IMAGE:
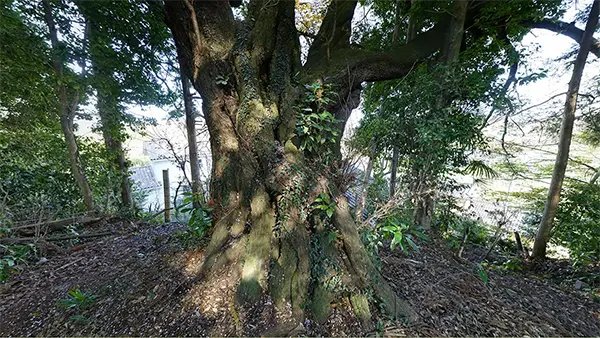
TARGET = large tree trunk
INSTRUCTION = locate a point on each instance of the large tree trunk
(68, 106)
(190, 124)
(270, 249)
(566, 133)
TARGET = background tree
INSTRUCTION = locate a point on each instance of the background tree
(70, 88)
(130, 59)
(562, 157)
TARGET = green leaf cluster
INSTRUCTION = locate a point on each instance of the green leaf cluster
(316, 127)
(401, 234)
(200, 219)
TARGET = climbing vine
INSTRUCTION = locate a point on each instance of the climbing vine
(316, 127)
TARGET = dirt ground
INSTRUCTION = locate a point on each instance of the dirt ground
(141, 284)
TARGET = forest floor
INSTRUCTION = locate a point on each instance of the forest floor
(137, 278)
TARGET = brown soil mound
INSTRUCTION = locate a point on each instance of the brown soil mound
(140, 283)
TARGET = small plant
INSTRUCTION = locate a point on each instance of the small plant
(4, 231)
(595, 296)
(323, 202)
(14, 256)
(513, 264)
(200, 220)
(371, 239)
(316, 126)
(77, 300)
(480, 269)
(76, 303)
(401, 234)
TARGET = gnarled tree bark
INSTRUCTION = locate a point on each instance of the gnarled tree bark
(268, 245)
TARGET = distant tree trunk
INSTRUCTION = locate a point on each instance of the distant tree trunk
(562, 157)
(464, 240)
(363, 193)
(108, 94)
(69, 102)
(112, 131)
(393, 178)
(595, 177)
(190, 124)
(66, 123)
(424, 208)
(395, 150)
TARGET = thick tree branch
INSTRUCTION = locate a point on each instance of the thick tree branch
(334, 32)
(363, 65)
(203, 31)
(566, 29)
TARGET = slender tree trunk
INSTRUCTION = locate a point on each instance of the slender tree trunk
(190, 124)
(360, 208)
(68, 106)
(66, 123)
(425, 201)
(113, 134)
(393, 178)
(464, 240)
(111, 115)
(395, 150)
(566, 133)
(595, 177)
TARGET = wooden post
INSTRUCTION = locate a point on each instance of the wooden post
(520, 247)
(464, 240)
(167, 191)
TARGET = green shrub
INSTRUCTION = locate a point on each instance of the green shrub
(12, 257)
(452, 225)
(400, 234)
(76, 300)
(31, 176)
(577, 222)
(200, 220)
(577, 225)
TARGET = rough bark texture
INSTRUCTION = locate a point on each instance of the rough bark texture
(269, 243)
(68, 106)
(282, 257)
(566, 133)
